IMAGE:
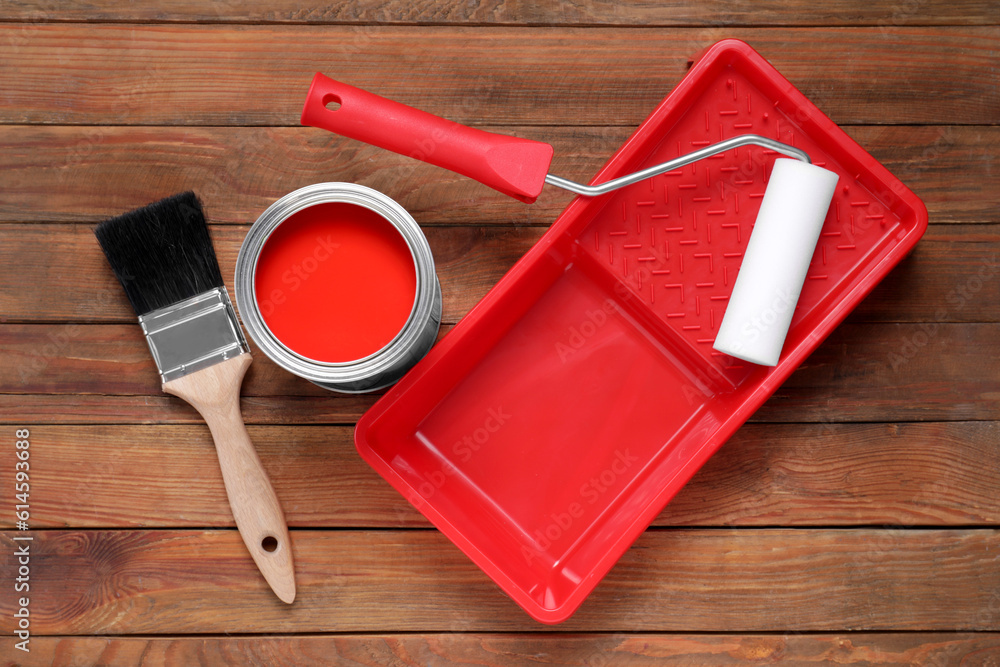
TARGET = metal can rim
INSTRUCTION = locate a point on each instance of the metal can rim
(398, 350)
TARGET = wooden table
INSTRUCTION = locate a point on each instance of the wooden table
(854, 520)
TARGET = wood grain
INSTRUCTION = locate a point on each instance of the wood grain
(513, 650)
(51, 259)
(900, 372)
(933, 474)
(676, 580)
(511, 12)
(864, 372)
(953, 275)
(18, 409)
(182, 74)
(239, 172)
(854, 521)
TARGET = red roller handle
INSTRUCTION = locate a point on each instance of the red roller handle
(515, 167)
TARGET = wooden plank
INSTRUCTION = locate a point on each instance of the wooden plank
(508, 12)
(935, 474)
(514, 650)
(52, 259)
(893, 373)
(114, 359)
(52, 171)
(683, 580)
(18, 409)
(864, 372)
(953, 275)
(182, 74)
(61, 275)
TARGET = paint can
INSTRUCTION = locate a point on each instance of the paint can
(335, 282)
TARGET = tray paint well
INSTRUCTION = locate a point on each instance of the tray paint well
(557, 419)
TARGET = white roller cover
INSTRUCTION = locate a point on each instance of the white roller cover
(775, 262)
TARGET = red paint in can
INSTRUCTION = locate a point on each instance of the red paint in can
(335, 282)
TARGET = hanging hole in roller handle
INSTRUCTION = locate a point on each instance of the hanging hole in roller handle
(331, 102)
(269, 544)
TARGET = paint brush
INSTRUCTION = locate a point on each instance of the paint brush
(163, 257)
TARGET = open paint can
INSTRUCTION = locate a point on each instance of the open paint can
(335, 283)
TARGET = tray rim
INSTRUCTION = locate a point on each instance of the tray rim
(615, 165)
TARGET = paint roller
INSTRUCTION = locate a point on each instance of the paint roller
(775, 261)
(777, 256)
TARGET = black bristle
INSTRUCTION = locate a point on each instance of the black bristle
(161, 253)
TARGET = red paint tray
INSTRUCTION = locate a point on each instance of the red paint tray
(559, 417)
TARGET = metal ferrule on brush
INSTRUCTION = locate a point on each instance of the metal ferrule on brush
(193, 334)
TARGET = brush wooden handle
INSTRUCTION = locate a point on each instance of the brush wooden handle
(215, 393)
